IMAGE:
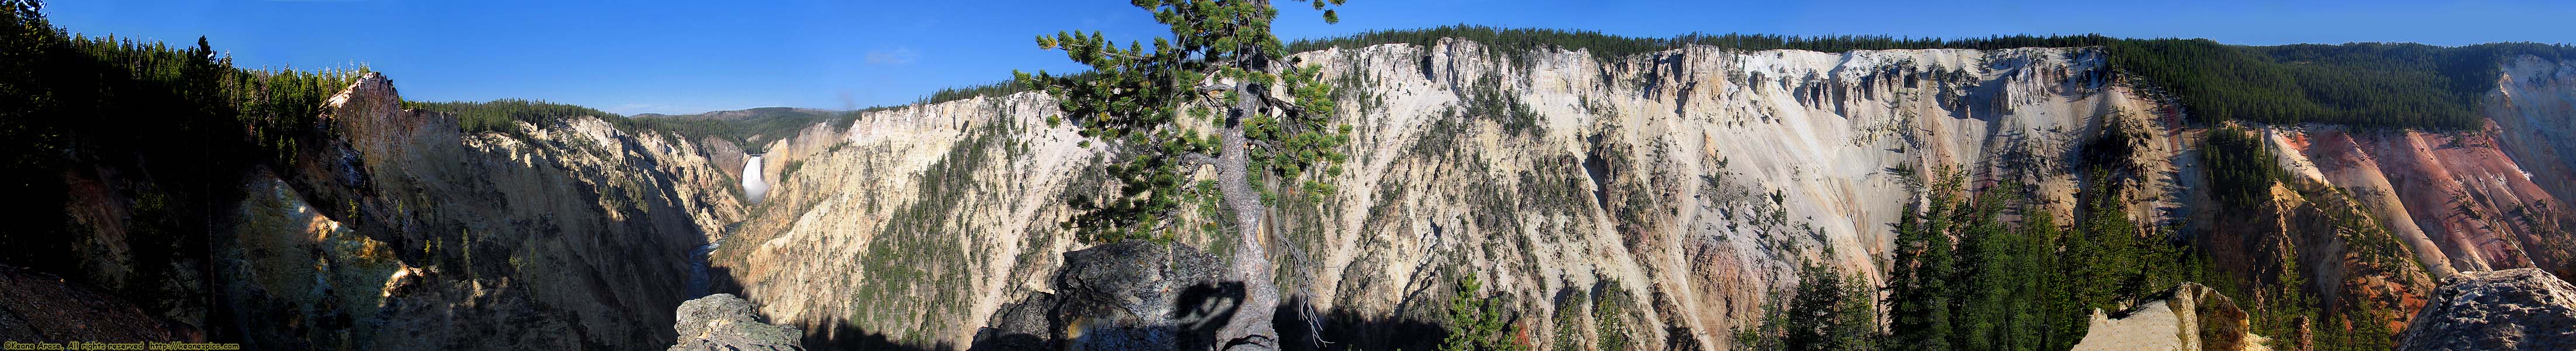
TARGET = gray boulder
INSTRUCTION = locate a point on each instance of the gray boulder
(2516, 309)
(723, 322)
(1134, 295)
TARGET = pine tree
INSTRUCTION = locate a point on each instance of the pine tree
(1222, 65)
(1857, 324)
(1815, 315)
(1476, 323)
(1920, 300)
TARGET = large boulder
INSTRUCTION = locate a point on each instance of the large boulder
(722, 322)
(1134, 295)
(2187, 317)
(2515, 309)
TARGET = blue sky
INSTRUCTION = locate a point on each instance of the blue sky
(693, 56)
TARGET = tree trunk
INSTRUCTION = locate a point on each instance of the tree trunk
(1251, 264)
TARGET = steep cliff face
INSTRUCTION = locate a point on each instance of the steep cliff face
(1654, 200)
(1689, 183)
(1686, 184)
(2530, 110)
(910, 224)
(2379, 215)
(404, 233)
(2530, 107)
(2462, 203)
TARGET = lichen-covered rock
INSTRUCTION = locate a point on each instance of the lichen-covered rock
(725, 322)
(2516, 309)
(1134, 295)
(1023, 325)
(1141, 296)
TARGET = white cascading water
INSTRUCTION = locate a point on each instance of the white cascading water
(751, 184)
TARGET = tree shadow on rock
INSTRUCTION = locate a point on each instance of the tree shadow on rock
(1202, 310)
(1345, 329)
(838, 334)
(1143, 296)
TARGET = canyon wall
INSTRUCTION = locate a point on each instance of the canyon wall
(1681, 187)
(404, 233)
(1662, 195)
(1652, 200)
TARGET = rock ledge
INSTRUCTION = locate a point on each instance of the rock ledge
(2515, 309)
(725, 322)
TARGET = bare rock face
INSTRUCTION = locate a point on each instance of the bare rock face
(2189, 317)
(2517, 309)
(725, 322)
(2529, 108)
(402, 232)
(1673, 179)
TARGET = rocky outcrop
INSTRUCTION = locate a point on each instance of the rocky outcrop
(2517, 309)
(2188, 317)
(722, 322)
(1126, 296)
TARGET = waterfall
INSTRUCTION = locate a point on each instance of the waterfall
(751, 185)
(753, 188)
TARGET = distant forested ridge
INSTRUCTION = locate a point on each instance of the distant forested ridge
(503, 115)
(749, 128)
(2370, 85)
(2375, 85)
(751, 133)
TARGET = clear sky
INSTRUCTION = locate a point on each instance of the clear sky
(656, 56)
